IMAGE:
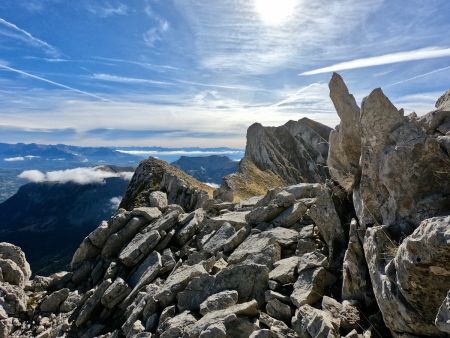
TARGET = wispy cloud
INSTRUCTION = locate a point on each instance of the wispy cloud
(128, 80)
(154, 34)
(243, 44)
(145, 65)
(13, 31)
(412, 55)
(21, 72)
(222, 86)
(107, 9)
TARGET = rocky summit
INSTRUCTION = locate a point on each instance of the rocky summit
(278, 156)
(364, 253)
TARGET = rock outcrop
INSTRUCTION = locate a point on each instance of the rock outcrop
(156, 175)
(396, 168)
(296, 262)
(278, 156)
(401, 175)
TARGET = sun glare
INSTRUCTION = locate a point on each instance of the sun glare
(274, 12)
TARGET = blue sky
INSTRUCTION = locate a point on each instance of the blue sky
(199, 72)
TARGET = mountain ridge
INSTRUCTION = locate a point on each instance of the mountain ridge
(292, 153)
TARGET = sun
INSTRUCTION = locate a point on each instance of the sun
(274, 12)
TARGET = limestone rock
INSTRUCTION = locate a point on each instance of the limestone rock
(259, 249)
(12, 298)
(177, 326)
(220, 239)
(279, 156)
(53, 301)
(217, 330)
(283, 199)
(400, 316)
(324, 215)
(263, 334)
(263, 214)
(177, 281)
(139, 247)
(355, 275)
(284, 271)
(190, 228)
(166, 314)
(14, 253)
(219, 301)
(158, 199)
(312, 260)
(248, 279)
(291, 215)
(156, 175)
(318, 323)
(226, 316)
(310, 286)
(71, 302)
(236, 219)
(346, 314)
(146, 272)
(92, 303)
(11, 272)
(149, 213)
(345, 140)
(196, 292)
(115, 293)
(443, 317)
(118, 240)
(385, 188)
(279, 310)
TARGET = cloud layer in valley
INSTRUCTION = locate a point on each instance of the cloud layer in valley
(77, 175)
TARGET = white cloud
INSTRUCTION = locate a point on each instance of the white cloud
(108, 9)
(76, 175)
(33, 175)
(20, 158)
(13, 159)
(21, 34)
(412, 55)
(115, 202)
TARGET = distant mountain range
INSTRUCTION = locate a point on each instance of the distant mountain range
(51, 157)
(208, 169)
(48, 219)
(15, 158)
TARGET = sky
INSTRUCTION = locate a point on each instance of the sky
(198, 72)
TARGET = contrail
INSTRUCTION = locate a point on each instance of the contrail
(412, 55)
(28, 35)
(418, 76)
(53, 83)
